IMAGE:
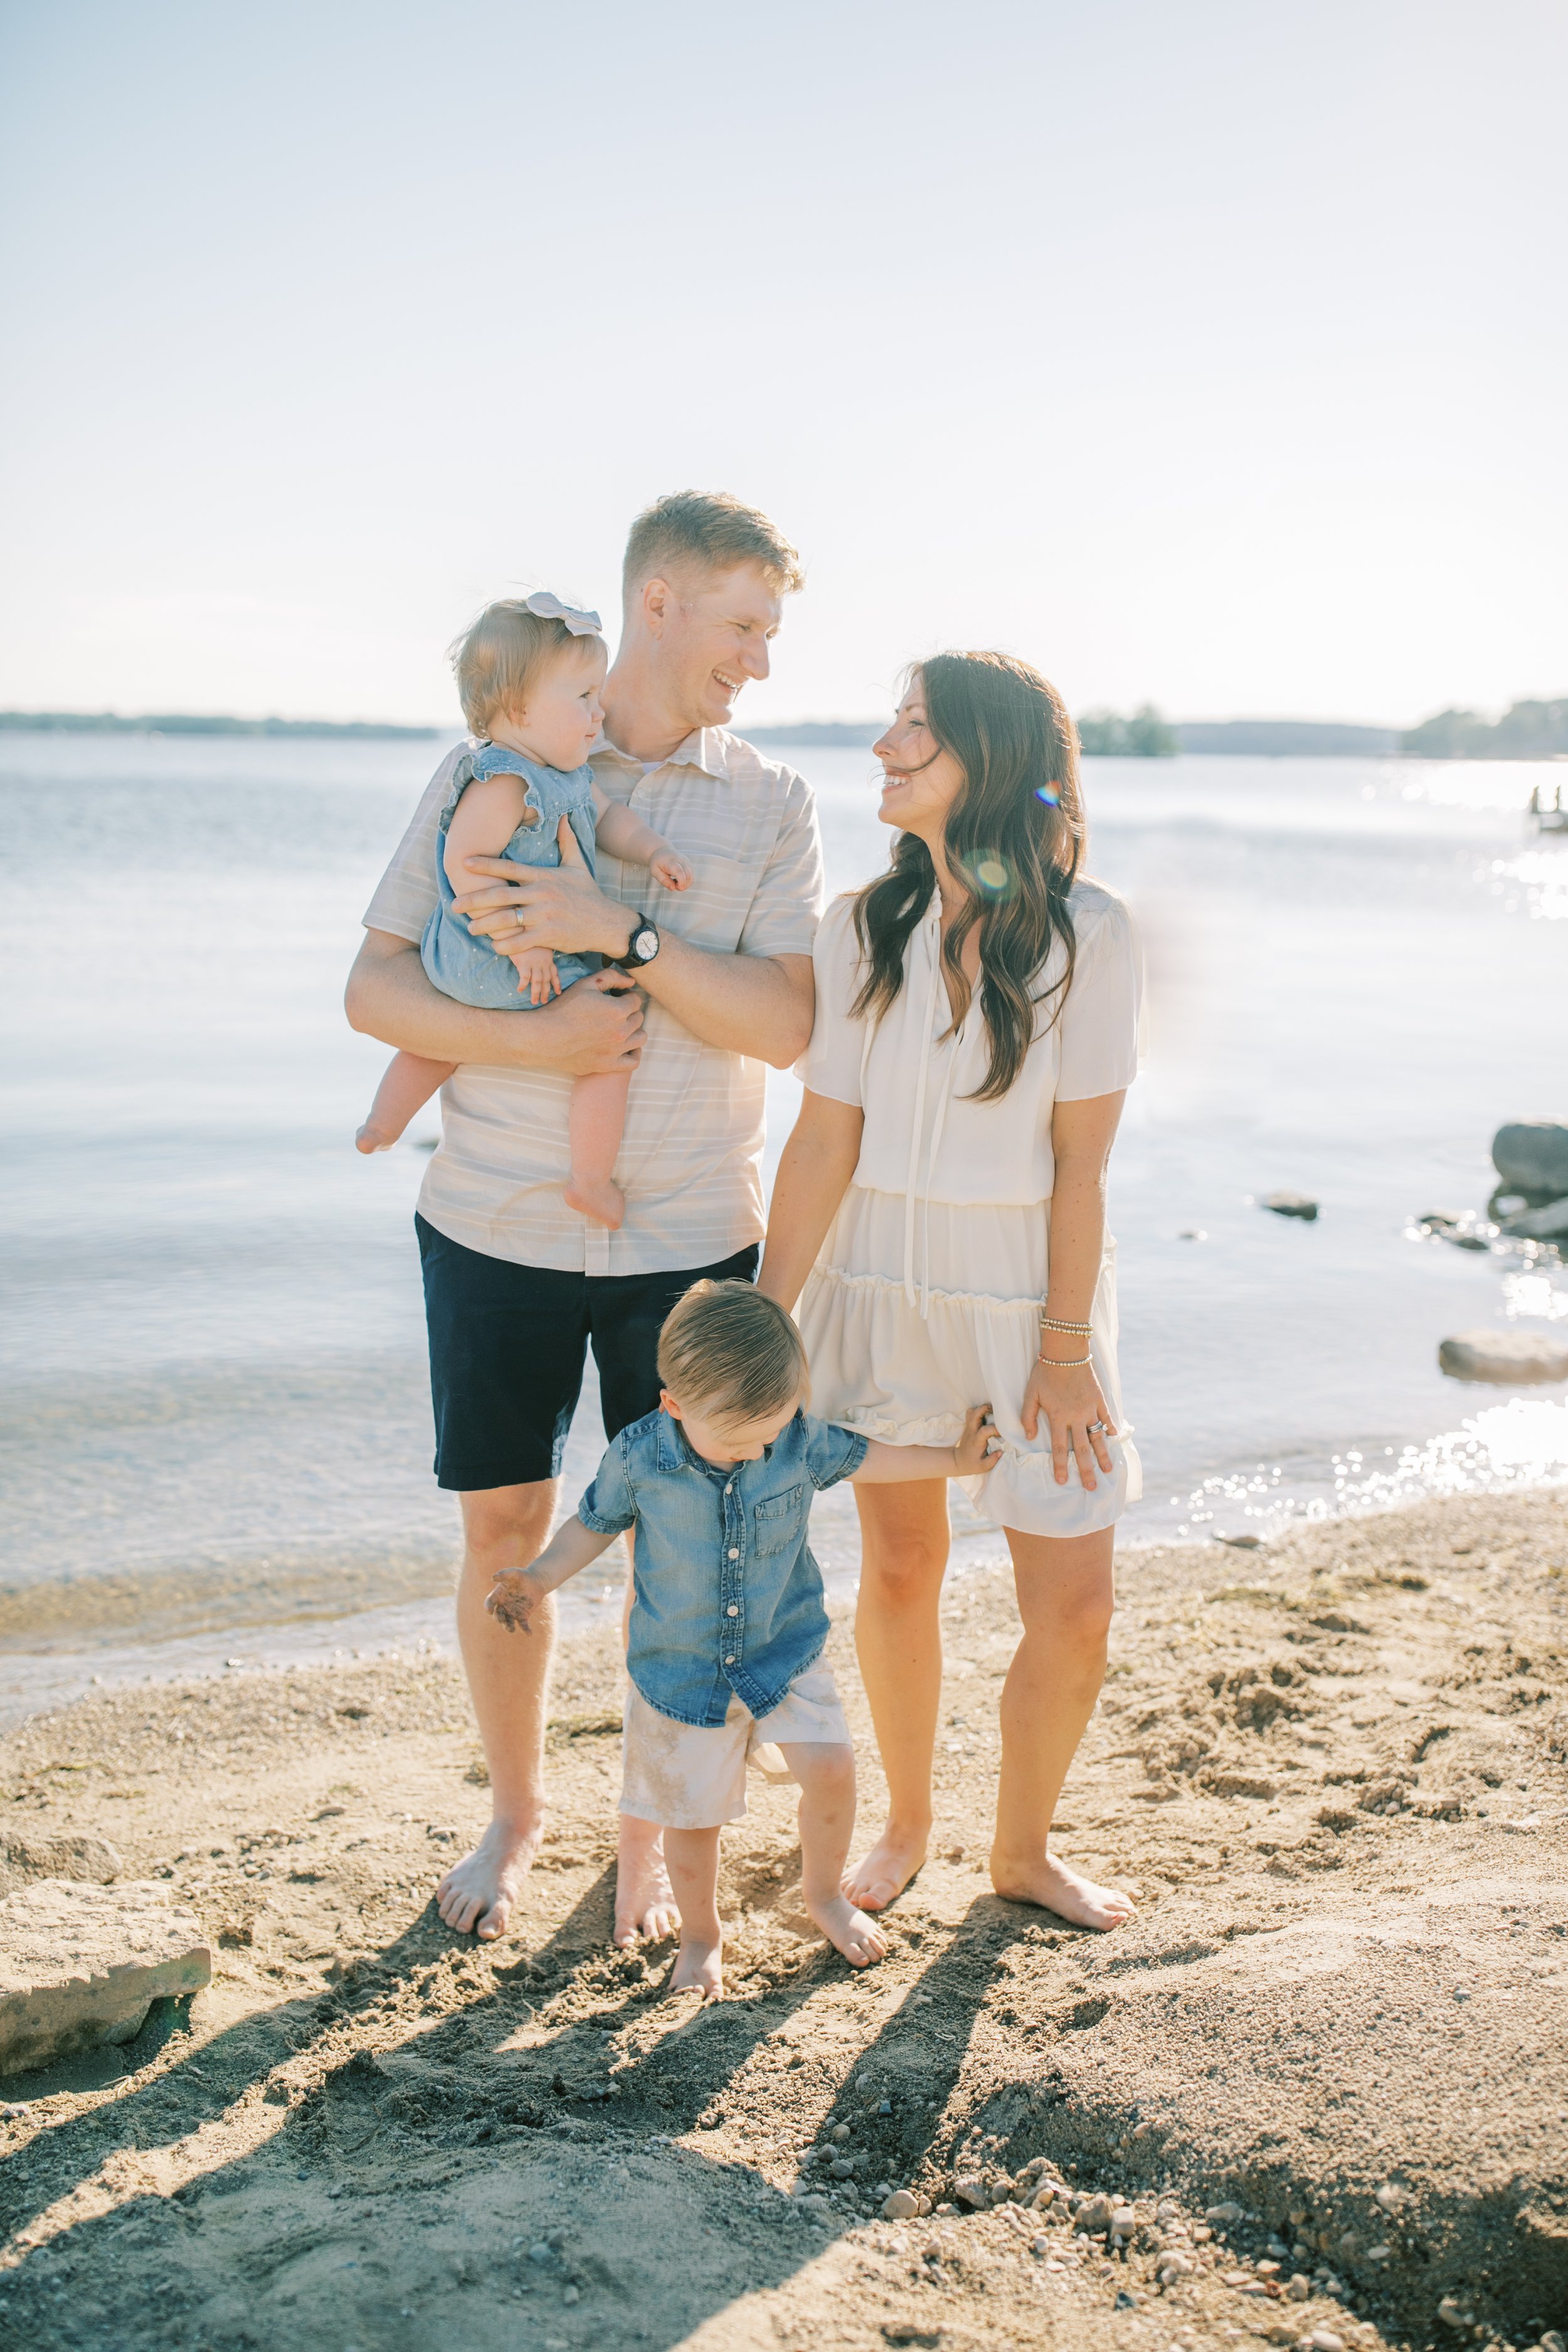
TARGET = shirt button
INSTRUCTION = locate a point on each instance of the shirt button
(729, 1661)
(734, 1553)
(731, 1487)
(733, 1611)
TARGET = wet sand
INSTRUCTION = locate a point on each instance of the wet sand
(1332, 1769)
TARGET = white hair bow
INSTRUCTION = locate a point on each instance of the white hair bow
(546, 607)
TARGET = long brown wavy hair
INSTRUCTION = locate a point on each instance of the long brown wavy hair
(1013, 842)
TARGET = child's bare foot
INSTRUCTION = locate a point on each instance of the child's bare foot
(476, 1894)
(699, 1967)
(604, 1203)
(372, 1137)
(1056, 1886)
(644, 1900)
(888, 1869)
(859, 1939)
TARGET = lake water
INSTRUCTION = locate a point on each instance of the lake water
(216, 1431)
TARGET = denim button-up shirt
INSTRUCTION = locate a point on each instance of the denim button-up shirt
(726, 1594)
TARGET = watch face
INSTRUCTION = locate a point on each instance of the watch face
(645, 943)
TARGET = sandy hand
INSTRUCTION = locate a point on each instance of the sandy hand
(514, 1598)
(979, 1446)
(671, 871)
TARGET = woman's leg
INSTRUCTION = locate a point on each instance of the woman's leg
(904, 1544)
(595, 1122)
(1067, 1591)
(407, 1084)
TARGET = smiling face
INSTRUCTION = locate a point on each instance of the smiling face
(562, 719)
(712, 630)
(920, 779)
(724, 1439)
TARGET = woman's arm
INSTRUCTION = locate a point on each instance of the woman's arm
(1065, 1390)
(814, 1175)
(492, 809)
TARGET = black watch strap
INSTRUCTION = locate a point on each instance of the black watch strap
(631, 960)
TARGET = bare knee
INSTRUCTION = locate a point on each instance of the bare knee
(506, 1527)
(825, 1768)
(903, 1575)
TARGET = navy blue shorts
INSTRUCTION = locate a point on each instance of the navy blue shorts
(508, 1344)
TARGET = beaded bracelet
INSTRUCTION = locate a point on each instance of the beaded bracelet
(1080, 1331)
(1066, 1363)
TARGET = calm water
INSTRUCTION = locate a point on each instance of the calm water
(217, 1432)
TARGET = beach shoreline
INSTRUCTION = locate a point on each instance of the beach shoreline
(1349, 1973)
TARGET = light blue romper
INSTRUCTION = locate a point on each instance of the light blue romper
(466, 967)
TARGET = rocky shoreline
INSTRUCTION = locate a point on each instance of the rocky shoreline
(1316, 2092)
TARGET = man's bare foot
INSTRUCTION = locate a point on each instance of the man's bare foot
(859, 1939)
(644, 1900)
(476, 1894)
(1056, 1886)
(699, 1967)
(372, 1138)
(604, 1203)
(887, 1870)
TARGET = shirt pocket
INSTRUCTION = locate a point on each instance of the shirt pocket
(778, 1521)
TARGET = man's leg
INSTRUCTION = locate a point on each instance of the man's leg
(626, 1315)
(508, 1681)
(506, 1350)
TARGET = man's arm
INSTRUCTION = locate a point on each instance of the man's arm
(761, 1005)
(597, 1025)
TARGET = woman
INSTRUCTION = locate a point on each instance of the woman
(941, 1206)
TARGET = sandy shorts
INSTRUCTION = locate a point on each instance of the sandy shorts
(693, 1775)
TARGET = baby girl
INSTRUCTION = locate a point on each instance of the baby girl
(530, 675)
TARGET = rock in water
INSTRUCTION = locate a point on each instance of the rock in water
(1510, 1358)
(1291, 1205)
(80, 1965)
(1548, 1224)
(1534, 1154)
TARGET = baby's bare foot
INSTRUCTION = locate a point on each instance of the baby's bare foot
(699, 1967)
(888, 1869)
(859, 1939)
(375, 1138)
(604, 1203)
(476, 1894)
(1056, 1886)
(644, 1900)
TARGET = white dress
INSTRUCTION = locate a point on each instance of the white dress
(926, 1295)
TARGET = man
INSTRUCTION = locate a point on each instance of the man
(517, 1286)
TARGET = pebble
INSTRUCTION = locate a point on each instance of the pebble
(1125, 2220)
(902, 2206)
(972, 2192)
(574, 2294)
(1219, 2215)
(839, 2132)
(842, 2167)
(1095, 2215)
(1291, 1205)
(1324, 2339)
(541, 2252)
(1390, 2197)
(1300, 2288)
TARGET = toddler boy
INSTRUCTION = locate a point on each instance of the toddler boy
(728, 1622)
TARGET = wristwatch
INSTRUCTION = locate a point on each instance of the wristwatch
(641, 947)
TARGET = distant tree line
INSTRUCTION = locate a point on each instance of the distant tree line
(1528, 730)
(1106, 735)
(108, 723)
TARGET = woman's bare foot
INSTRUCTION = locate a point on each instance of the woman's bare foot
(887, 1870)
(699, 1967)
(372, 1138)
(646, 1906)
(859, 1939)
(1056, 1886)
(604, 1203)
(476, 1894)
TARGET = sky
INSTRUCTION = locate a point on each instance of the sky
(1213, 355)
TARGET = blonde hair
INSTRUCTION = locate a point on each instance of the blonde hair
(725, 1346)
(503, 655)
(707, 530)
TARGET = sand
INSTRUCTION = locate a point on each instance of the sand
(1333, 1770)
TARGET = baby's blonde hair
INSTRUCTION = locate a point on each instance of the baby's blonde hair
(726, 1348)
(503, 655)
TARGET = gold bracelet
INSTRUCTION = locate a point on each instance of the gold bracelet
(1080, 1331)
(1066, 1363)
